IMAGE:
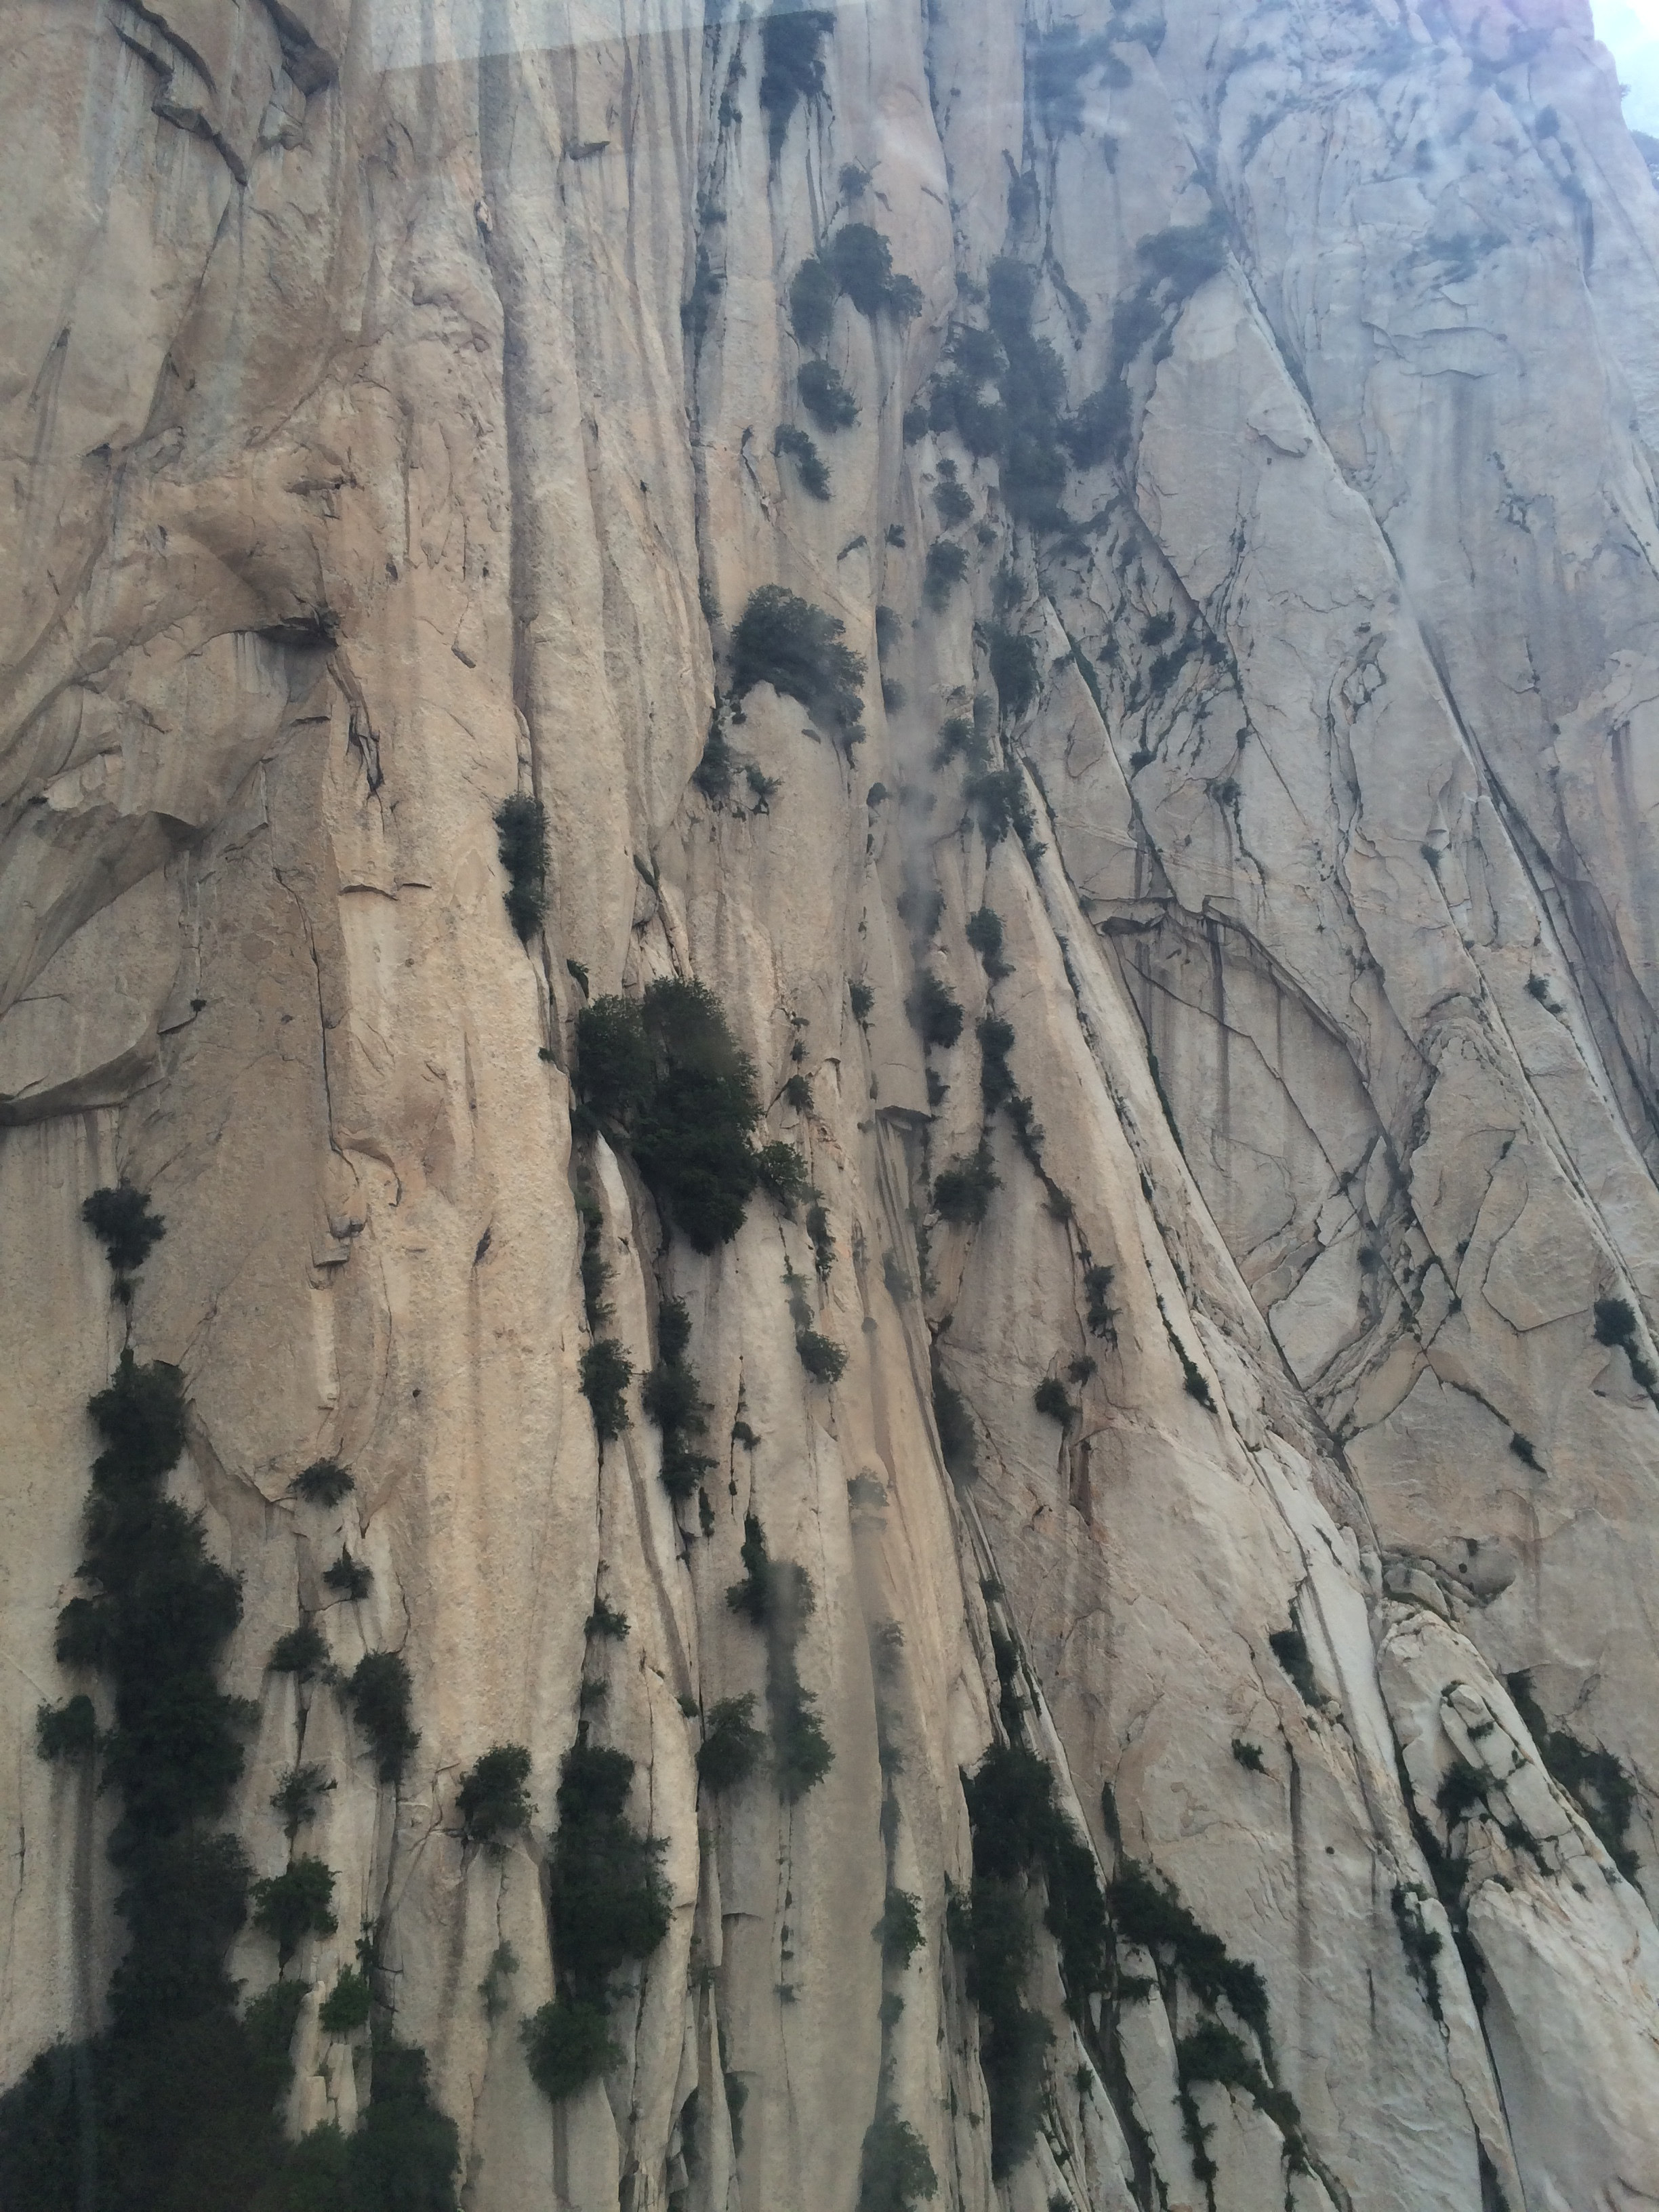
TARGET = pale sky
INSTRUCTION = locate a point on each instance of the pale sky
(1629, 31)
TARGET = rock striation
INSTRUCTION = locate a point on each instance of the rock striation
(1166, 1457)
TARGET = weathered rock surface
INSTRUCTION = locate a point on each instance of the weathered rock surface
(390, 397)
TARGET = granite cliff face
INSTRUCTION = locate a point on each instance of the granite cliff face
(392, 396)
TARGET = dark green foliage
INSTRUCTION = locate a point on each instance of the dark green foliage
(492, 1800)
(732, 1745)
(809, 462)
(952, 500)
(935, 1016)
(379, 1694)
(673, 1329)
(792, 51)
(346, 2006)
(697, 311)
(823, 1242)
(141, 1419)
(823, 1360)
(567, 2045)
(606, 1620)
(863, 264)
(798, 1094)
(776, 1596)
(984, 933)
(300, 1651)
(714, 772)
(295, 1903)
(1100, 1317)
(997, 800)
(595, 1269)
(296, 1794)
(898, 1931)
(1598, 1782)
(795, 647)
(1289, 1646)
(1013, 661)
(349, 1578)
(1150, 1914)
(1186, 255)
(1421, 1945)
(812, 295)
(825, 397)
(1248, 1756)
(866, 1489)
(1615, 1323)
(955, 736)
(915, 425)
(947, 564)
(1211, 2052)
(325, 1482)
(801, 1755)
(996, 1042)
(862, 1000)
(888, 629)
(606, 1373)
(1526, 1452)
(894, 2171)
(958, 1445)
(521, 845)
(1049, 1398)
(66, 1731)
(962, 1191)
(673, 1404)
(1055, 67)
(610, 1906)
(119, 1217)
(615, 1067)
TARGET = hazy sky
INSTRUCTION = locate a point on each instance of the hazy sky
(1629, 31)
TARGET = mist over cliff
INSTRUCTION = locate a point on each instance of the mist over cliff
(829, 1109)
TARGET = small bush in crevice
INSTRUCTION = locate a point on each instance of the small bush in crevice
(732, 1745)
(348, 2004)
(349, 1579)
(894, 2171)
(296, 1795)
(996, 798)
(783, 1172)
(862, 262)
(822, 1241)
(813, 292)
(567, 2045)
(1615, 1324)
(1598, 1782)
(66, 1731)
(672, 1404)
(1100, 1318)
(809, 462)
(492, 1800)
(984, 934)
(119, 1217)
(946, 565)
(1248, 1756)
(300, 1651)
(378, 1693)
(325, 1482)
(776, 1596)
(1013, 662)
(1290, 1647)
(606, 1620)
(595, 1269)
(935, 1015)
(825, 397)
(824, 1360)
(957, 1443)
(898, 1931)
(952, 500)
(1421, 1945)
(521, 845)
(962, 1191)
(606, 1373)
(782, 641)
(798, 1094)
(295, 1903)
(862, 1000)
(792, 54)
(1050, 1399)
(1150, 1913)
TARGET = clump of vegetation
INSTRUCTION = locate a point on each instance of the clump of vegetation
(296, 1794)
(349, 1579)
(1150, 1913)
(862, 1000)
(1598, 1782)
(825, 397)
(798, 1094)
(606, 1620)
(300, 1651)
(934, 1014)
(962, 1191)
(776, 1596)
(792, 55)
(120, 1216)
(379, 1691)
(606, 1373)
(947, 564)
(1013, 663)
(984, 933)
(1615, 1324)
(898, 1931)
(997, 800)
(809, 462)
(824, 1360)
(1211, 2052)
(667, 1076)
(610, 1906)
(325, 1482)
(492, 1800)
(895, 2170)
(958, 1446)
(952, 500)
(1290, 1647)
(813, 292)
(862, 261)
(671, 1401)
(66, 1731)
(1099, 1316)
(1421, 1945)
(731, 1744)
(1050, 1399)
(794, 647)
(295, 1903)
(521, 845)
(348, 2004)
(1248, 1756)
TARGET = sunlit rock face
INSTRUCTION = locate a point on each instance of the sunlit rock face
(391, 397)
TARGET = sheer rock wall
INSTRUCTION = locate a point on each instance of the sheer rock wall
(364, 470)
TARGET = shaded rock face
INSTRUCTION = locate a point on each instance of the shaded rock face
(391, 398)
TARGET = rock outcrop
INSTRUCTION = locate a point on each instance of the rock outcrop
(1230, 453)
